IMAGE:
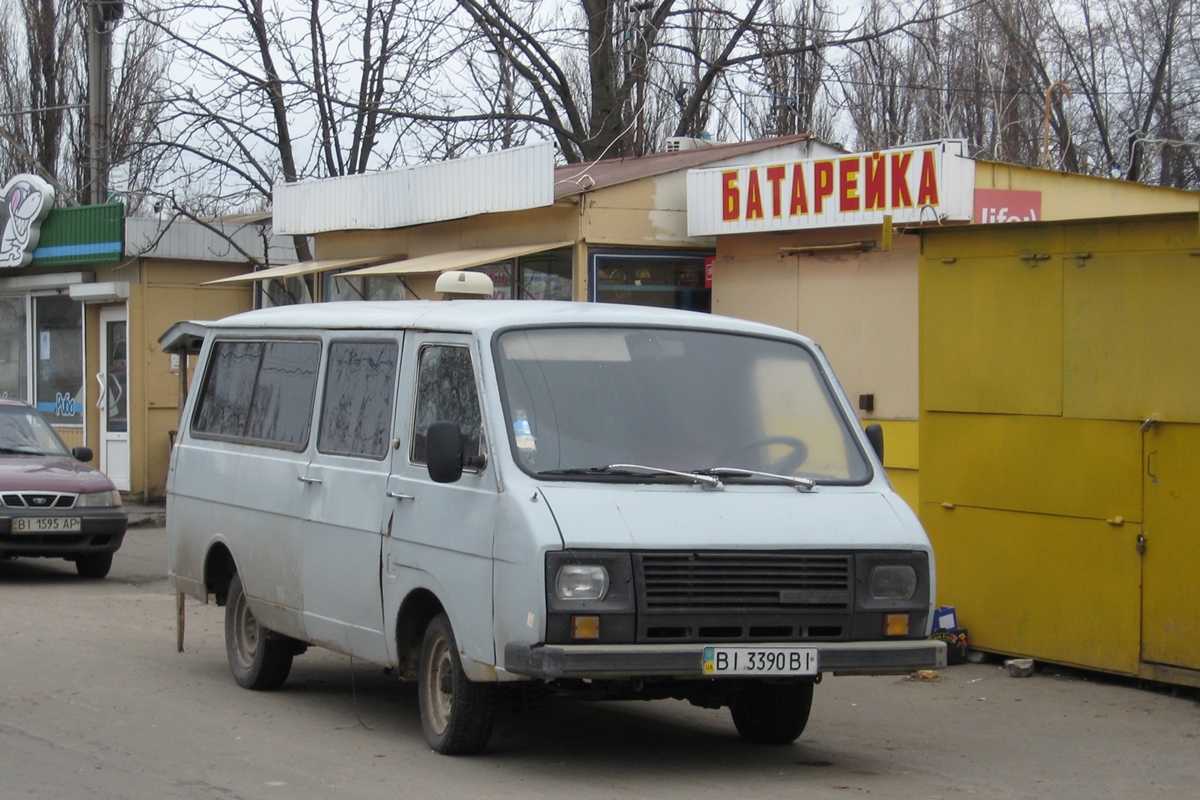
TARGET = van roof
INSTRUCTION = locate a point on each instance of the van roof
(481, 316)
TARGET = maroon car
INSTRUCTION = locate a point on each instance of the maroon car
(52, 504)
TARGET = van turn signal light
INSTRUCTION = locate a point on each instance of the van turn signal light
(585, 627)
(895, 624)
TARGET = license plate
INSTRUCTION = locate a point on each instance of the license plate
(760, 661)
(46, 524)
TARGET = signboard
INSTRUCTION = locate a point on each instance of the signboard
(24, 203)
(924, 183)
(1006, 205)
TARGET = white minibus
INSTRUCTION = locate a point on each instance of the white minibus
(490, 497)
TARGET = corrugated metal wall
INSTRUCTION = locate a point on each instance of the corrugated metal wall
(509, 180)
(226, 242)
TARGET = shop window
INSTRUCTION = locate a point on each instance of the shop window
(336, 287)
(13, 350)
(663, 280)
(547, 276)
(446, 392)
(260, 391)
(285, 292)
(42, 336)
(356, 417)
(58, 345)
(541, 276)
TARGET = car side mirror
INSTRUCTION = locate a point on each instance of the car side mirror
(875, 437)
(84, 454)
(444, 452)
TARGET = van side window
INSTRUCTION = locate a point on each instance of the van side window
(446, 392)
(360, 385)
(260, 391)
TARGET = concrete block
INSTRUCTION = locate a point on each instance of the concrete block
(1019, 667)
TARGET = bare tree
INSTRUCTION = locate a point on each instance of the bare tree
(43, 90)
(1111, 86)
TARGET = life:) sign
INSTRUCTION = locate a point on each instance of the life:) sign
(928, 183)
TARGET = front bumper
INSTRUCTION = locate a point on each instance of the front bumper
(101, 531)
(551, 662)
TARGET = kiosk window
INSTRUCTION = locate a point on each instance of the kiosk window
(260, 391)
(360, 384)
(446, 392)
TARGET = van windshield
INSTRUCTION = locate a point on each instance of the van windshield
(579, 400)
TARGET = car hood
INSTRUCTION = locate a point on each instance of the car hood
(50, 474)
(758, 517)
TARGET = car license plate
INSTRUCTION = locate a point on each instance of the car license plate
(760, 661)
(46, 524)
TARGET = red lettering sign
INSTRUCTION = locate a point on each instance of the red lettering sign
(731, 198)
(901, 197)
(927, 189)
(848, 199)
(876, 183)
(823, 188)
(799, 194)
(754, 209)
(775, 176)
(1007, 205)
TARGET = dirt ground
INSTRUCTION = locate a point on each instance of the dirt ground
(95, 703)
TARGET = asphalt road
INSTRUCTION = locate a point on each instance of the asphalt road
(96, 703)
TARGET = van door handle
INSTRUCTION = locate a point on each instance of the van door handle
(399, 496)
(308, 479)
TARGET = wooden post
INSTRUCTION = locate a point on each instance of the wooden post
(183, 389)
(179, 622)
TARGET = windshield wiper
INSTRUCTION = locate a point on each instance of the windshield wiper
(801, 484)
(633, 470)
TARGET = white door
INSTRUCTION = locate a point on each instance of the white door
(113, 400)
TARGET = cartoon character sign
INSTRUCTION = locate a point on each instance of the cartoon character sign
(26, 200)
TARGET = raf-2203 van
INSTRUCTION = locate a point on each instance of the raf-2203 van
(606, 501)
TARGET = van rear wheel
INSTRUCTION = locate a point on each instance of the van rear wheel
(258, 658)
(456, 715)
(772, 713)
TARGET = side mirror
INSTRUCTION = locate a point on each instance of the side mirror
(444, 452)
(83, 454)
(875, 437)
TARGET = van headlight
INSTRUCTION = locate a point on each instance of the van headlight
(581, 582)
(893, 582)
(99, 499)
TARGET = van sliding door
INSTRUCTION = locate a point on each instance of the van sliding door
(346, 483)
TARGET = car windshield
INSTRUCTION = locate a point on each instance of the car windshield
(590, 403)
(24, 431)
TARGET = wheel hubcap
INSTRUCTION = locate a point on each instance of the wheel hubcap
(245, 632)
(439, 688)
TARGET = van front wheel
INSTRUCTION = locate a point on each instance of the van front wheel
(772, 713)
(456, 714)
(258, 658)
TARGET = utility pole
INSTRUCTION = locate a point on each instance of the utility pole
(102, 16)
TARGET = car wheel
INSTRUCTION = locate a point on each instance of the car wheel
(94, 566)
(772, 713)
(258, 658)
(456, 715)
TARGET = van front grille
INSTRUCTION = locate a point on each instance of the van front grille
(714, 582)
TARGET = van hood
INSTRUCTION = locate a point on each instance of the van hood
(616, 516)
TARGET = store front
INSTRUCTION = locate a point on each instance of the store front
(607, 232)
(84, 294)
(828, 247)
(49, 256)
